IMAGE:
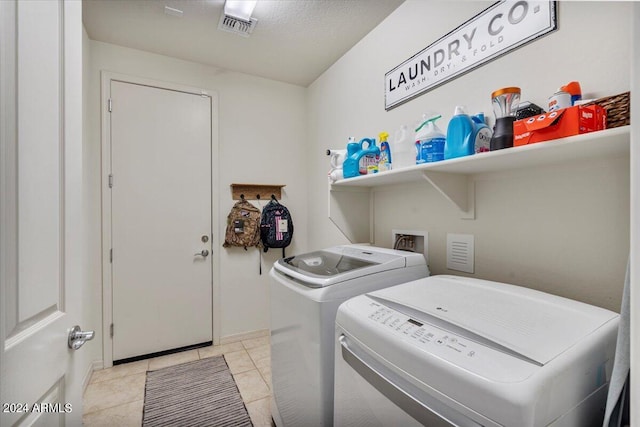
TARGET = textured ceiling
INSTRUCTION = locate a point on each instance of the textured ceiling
(294, 41)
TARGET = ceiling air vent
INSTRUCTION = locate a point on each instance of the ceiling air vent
(234, 25)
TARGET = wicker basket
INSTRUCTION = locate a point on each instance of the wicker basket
(617, 108)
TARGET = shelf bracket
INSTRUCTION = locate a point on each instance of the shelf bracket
(458, 189)
(350, 209)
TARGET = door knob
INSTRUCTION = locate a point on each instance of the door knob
(204, 253)
(77, 337)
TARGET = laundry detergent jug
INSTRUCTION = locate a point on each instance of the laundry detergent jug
(483, 134)
(430, 141)
(459, 135)
(361, 160)
(403, 149)
(466, 135)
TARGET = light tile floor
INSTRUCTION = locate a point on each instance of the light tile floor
(115, 396)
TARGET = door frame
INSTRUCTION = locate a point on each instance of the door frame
(107, 284)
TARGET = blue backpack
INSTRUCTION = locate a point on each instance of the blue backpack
(276, 226)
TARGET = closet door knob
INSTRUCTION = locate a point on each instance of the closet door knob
(77, 337)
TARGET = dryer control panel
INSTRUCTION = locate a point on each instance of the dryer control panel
(454, 347)
(421, 335)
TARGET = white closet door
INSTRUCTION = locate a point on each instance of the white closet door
(161, 219)
(41, 214)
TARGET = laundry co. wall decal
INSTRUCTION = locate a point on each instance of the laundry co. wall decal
(497, 30)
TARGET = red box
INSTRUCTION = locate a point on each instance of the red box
(559, 124)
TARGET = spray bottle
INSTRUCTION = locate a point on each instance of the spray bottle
(385, 162)
(429, 141)
(336, 161)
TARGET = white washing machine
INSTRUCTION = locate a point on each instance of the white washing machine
(306, 291)
(454, 351)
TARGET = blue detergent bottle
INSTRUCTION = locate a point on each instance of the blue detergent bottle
(460, 135)
(430, 141)
(361, 160)
(349, 166)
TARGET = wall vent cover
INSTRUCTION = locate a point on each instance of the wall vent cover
(234, 25)
(460, 252)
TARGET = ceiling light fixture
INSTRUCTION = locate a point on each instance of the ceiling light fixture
(237, 17)
(240, 9)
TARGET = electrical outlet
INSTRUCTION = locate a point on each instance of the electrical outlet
(411, 240)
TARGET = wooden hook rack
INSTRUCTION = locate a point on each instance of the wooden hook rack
(256, 191)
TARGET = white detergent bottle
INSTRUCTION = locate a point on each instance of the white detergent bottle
(403, 149)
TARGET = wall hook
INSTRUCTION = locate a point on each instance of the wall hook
(254, 191)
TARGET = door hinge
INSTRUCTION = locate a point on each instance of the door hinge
(110, 180)
(110, 105)
(111, 330)
(110, 255)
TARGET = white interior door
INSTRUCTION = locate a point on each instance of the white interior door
(160, 219)
(40, 211)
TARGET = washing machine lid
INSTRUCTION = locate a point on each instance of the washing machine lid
(531, 324)
(341, 263)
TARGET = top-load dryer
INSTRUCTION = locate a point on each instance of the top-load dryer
(457, 351)
(306, 291)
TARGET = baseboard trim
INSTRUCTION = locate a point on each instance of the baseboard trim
(96, 365)
(244, 336)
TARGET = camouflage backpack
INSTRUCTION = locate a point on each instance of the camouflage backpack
(243, 225)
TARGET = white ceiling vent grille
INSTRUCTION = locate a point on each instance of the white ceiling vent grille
(234, 25)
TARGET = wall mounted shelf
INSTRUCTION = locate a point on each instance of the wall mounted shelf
(256, 191)
(454, 178)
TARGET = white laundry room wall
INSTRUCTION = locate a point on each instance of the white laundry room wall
(91, 291)
(561, 229)
(261, 134)
(634, 274)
